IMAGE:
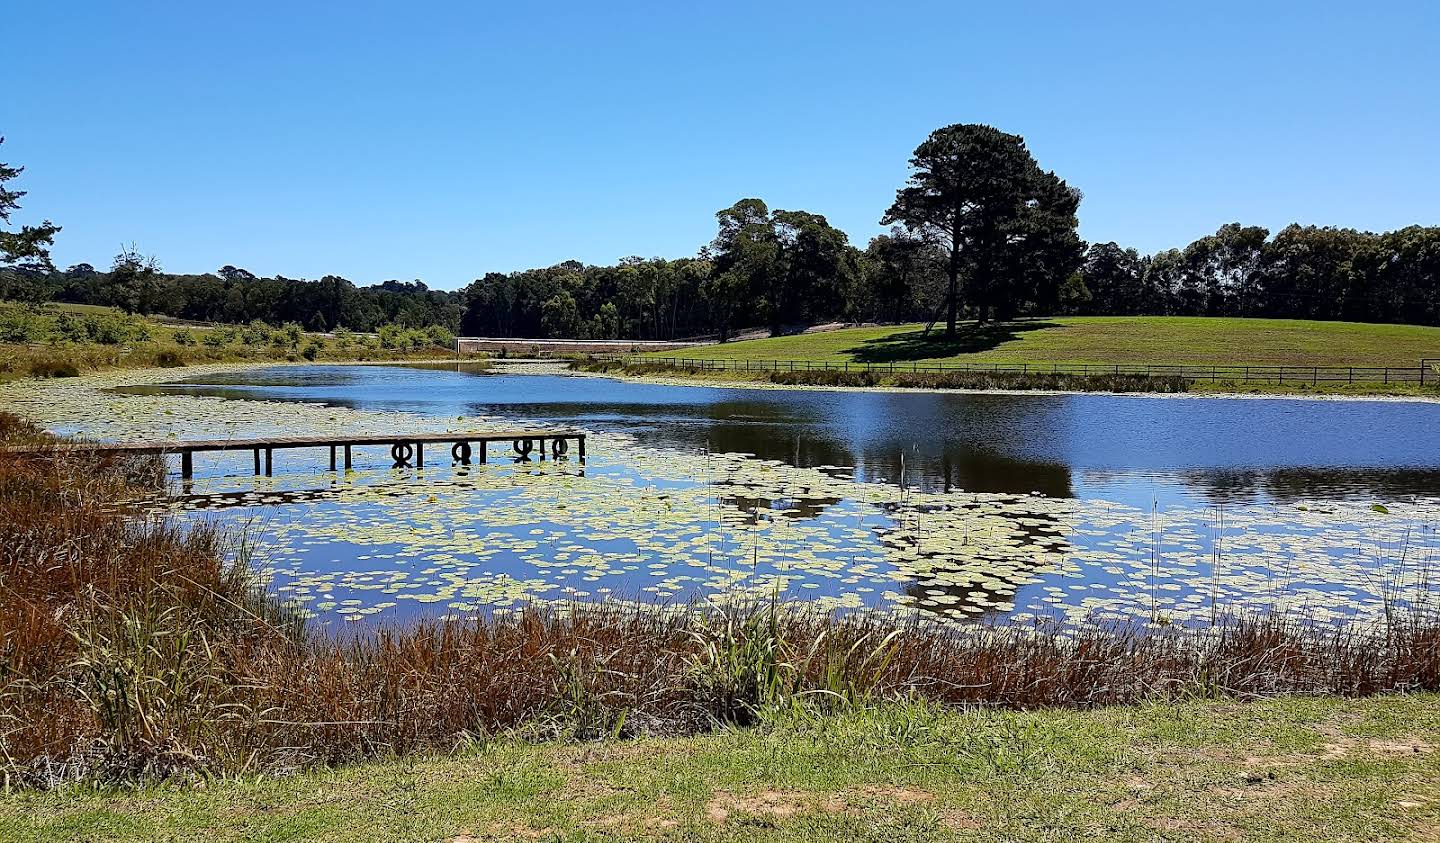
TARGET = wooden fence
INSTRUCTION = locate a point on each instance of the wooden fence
(1427, 372)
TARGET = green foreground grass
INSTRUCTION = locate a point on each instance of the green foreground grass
(1135, 340)
(1285, 769)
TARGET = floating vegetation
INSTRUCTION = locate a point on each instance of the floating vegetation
(380, 545)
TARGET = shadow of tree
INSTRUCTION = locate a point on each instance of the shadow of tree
(916, 345)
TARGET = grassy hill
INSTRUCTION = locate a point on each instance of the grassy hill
(64, 340)
(1106, 340)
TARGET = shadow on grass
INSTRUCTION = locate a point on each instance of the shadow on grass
(970, 338)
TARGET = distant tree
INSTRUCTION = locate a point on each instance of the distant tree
(816, 267)
(1163, 274)
(1219, 278)
(978, 193)
(132, 283)
(559, 317)
(746, 256)
(1114, 279)
(28, 248)
(607, 322)
(903, 266)
(235, 275)
(1074, 296)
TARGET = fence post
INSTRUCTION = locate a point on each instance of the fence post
(1314, 375)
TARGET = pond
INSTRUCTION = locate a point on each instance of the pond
(959, 507)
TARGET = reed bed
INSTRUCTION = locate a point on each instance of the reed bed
(861, 377)
(130, 648)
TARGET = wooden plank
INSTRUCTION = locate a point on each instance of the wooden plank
(291, 442)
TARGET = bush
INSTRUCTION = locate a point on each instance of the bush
(19, 325)
(218, 337)
(256, 333)
(49, 368)
(311, 350)
(184, 336)
(168, 359)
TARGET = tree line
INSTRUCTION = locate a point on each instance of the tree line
(978, 231)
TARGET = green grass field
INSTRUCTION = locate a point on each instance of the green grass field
(1106, 340)
(1316, 769)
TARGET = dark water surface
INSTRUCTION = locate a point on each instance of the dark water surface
(1132, 449)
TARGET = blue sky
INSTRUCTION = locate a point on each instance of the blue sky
(443, 140)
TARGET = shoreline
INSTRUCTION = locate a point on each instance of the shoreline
(722, 383)
(563, 368)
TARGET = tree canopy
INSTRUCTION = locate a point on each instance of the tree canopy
(28, 248)
(978, 230)
(1007, 225)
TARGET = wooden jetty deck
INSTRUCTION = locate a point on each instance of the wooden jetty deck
(406, 449)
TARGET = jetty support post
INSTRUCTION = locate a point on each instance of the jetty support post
(347, 458)
(187, 464)
(257, 461)
(419, 454)
(484, 446)
(332, 457)
(269, 461)
(581, 440)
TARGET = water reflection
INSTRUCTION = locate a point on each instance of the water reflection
(1127, 448)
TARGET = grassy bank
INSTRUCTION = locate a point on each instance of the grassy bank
(1011, 381)
(70, 340)
(1105, 340)
(1319, 769)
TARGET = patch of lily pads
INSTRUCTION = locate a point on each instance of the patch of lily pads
(384, 545)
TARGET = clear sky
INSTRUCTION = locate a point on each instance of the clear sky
(443, 140)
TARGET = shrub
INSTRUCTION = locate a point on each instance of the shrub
(390, 336)
(184, 336)
(218, 337)
(22, 325)
(256, 333)
(311, 350)
(168, 359)
(50, 368)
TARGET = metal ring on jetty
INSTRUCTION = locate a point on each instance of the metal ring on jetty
(460, 452)
(402, 453)
(523, 447)
(560, 446)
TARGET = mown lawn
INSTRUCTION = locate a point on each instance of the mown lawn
(1106, 340)
(1316, 769)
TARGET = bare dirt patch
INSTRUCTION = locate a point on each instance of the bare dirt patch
(783, 804)
(780, 804)
(1343, 747)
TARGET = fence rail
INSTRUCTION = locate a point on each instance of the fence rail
(1427, 373)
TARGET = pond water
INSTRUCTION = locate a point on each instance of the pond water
(1133, 449)
(957, 506)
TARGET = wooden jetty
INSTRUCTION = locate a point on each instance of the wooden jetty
(406, 450)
